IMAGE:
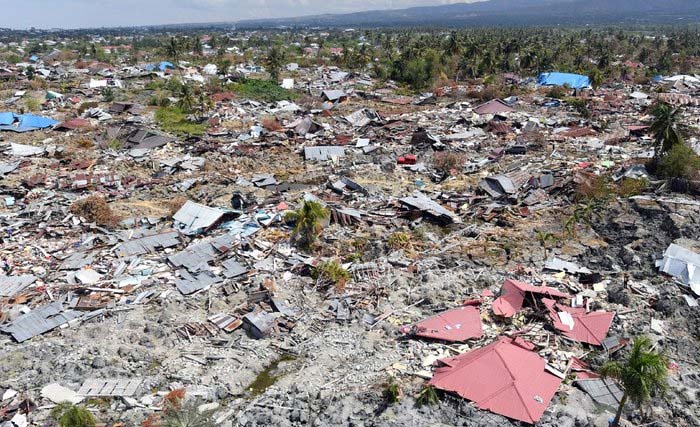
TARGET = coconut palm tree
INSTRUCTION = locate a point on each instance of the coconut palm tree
(173, 50)
(308, 222)
(642, 375)
(187, 99)
(665, 128)
(274, 62)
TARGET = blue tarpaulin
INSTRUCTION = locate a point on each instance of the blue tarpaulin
(24, 122)
(574, 81)
(38, 122)
(162, 66)
(7, 118)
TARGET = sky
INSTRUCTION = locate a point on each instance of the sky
(22, 14)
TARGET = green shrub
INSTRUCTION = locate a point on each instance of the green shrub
(680, 162)
(580, 105)
(261, 90)
(427, 396)
(173, 120)
(629, 187)
(392, 391)
(108, 94)
(69, 415)
(330, 272)
(159, 99)
(33, 104)
(558, 92)
(399, 240)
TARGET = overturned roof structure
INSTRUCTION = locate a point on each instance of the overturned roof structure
(513, 295)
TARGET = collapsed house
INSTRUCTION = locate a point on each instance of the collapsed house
(505, 377)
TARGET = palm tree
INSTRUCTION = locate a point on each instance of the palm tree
(308, 222)
(187, 98)
(642, 375)
(274, 62)
(665, 128)
(173, 50)
(197, 46)
(364, 56)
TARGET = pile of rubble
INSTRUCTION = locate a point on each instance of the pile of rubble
(449, 217)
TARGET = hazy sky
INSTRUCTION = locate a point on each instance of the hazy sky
(97, 13)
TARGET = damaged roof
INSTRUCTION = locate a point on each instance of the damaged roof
(455, 325)
(505, 377)
(513, 295)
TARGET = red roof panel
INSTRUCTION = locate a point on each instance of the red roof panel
(456, 325)
(503, 377)
(513, 294)
(590, 328)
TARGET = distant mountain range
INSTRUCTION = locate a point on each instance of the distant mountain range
(506, 13)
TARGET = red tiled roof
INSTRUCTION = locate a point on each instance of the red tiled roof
(505, 377)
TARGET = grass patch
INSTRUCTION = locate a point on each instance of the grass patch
(261, 90)
(267, 377)
(174, 120)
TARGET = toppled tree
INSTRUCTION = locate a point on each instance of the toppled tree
(95, 209)
(642, 375)
(308, 219)
(67, 414)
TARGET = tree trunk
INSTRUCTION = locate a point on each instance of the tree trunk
(618, 415)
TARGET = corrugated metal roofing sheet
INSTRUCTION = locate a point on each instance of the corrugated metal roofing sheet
(422, 202)
(323, 152)
(93, 387)
(148, 244)
(197, 255)
(193, 218)
(190, 283)
(605, 392)
(39, 321)
(683, 264)
(12, 285)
